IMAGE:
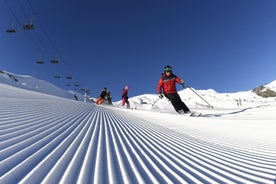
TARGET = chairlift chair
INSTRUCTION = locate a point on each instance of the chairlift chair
(28, 25)
(12, 29)
(57, 76)
(69, 77)
(54, 61)
(40, 62)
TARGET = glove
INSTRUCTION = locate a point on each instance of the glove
(182, 82)
(161, 96)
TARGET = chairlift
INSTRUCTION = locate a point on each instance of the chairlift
(57, 76)
(28, 25)
(69, 77)
(12, 29)
(77, 85)
(40, 62)
(54, 61)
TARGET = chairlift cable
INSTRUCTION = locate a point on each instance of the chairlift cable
(49, 39)
(42, 27)
(12, 12)
(55, 60)
(22, 9)
(35, 33)
(17, 20)
(43, 49)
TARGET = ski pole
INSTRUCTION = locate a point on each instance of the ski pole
(199, 96)
(155, 101)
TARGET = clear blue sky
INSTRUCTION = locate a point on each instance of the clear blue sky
(227, 45)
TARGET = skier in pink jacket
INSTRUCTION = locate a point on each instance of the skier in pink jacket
(125, 97)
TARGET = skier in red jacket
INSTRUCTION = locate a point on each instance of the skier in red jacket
(167, 85)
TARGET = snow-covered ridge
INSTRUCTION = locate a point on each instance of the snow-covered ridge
(33, 84)
(271, 85)
(243, 99)
(266, 91)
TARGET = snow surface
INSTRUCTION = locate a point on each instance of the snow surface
(50, 139)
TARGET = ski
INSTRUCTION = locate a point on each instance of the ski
(192, 114)
(195, 114)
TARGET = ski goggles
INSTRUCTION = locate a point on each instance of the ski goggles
(168, 69)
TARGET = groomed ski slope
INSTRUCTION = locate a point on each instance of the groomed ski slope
(46, 139)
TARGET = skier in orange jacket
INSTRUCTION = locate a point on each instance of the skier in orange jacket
(102, 96)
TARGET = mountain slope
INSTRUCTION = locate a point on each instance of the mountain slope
(47, 139)
(33, 84)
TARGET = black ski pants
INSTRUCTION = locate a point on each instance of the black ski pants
(177, 102)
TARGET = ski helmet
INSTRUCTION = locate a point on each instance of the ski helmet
(126, 87)
(168, 68)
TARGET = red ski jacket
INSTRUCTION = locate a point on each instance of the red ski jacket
(167, 84)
